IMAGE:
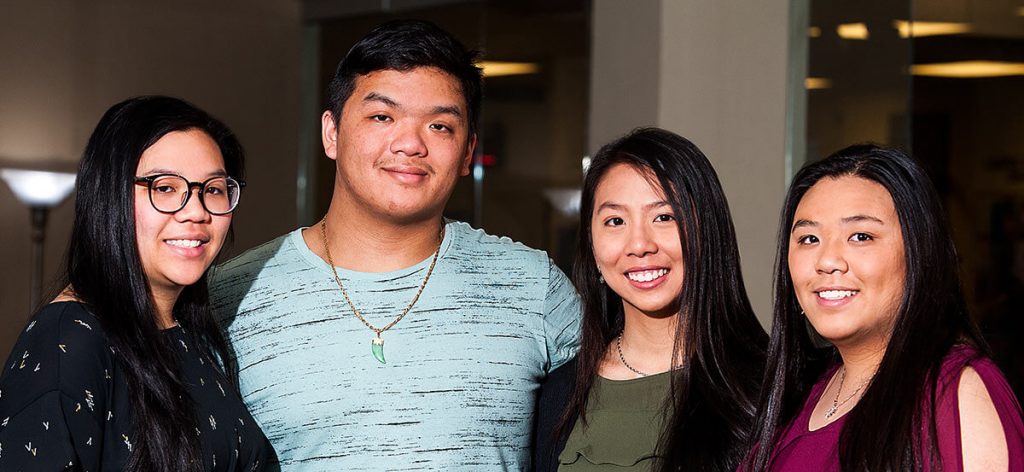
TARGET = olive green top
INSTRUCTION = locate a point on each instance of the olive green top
(624, 422)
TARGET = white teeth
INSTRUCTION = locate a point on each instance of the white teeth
(184, 242)
(836, 294)
(646, 275)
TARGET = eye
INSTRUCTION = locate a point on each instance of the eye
(166, 185)
(380, 118)
(664, 217)
(614, 221)
(861, 237)
(807, 239)
(440, 127)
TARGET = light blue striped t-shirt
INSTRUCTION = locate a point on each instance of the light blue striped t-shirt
(463, 367)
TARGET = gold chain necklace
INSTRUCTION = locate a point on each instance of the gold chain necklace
(377, 344)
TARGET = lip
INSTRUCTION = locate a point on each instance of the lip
(406, 174)
(650, 284)
(835, 303)
(188, 251)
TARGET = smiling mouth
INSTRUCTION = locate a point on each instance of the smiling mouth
(184, 243)
(646, 275)
(837, 294)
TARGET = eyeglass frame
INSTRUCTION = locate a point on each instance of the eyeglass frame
(149, 179)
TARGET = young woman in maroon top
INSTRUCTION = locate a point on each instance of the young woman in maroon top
(874, 362)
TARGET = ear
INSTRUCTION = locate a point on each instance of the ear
(329, 134)
(467, 160)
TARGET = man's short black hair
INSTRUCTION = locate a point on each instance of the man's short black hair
(403, 45)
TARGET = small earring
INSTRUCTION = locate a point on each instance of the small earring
(600, 278)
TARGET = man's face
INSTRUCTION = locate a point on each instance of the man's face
(401, 143)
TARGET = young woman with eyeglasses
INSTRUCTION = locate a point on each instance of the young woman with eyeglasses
(125, 369)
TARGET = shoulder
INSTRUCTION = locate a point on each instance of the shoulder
(253, 260)
(984, 442)
(475, 242)
(63, 322)
(978, 397)
(963, 364)
(475, 251)
(236, 278)
(63, 348)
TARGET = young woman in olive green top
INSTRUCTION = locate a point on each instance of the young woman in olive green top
(671, 353)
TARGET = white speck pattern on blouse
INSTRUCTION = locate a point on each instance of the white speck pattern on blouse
(65, 401)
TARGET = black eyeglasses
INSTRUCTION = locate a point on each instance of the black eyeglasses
(169, 193)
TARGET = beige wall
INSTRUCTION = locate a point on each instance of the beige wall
(711, 71)
(718, 77)
(64, 62)
(625, 68)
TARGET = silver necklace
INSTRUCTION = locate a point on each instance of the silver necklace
(618, 347)
(835, 401)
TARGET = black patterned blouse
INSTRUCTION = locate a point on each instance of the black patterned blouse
(64, 401)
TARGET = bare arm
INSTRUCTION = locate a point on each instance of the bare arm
(981, 433)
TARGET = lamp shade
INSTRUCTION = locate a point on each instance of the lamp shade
(37, 187)
(565, 200)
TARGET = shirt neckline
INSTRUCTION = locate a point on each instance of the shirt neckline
(321, 265)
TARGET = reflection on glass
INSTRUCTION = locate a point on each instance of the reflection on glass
(947, 83)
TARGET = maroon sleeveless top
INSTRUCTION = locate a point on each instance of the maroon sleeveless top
(801, 449)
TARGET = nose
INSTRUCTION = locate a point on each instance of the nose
(408, 140)
(641, 241)
(193, 209)
(831, 259)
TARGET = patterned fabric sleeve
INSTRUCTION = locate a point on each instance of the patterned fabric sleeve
(53, 393)
(561, 318)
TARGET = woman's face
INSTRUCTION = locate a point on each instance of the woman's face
(636, 242)
(176, 249)
(846, 260)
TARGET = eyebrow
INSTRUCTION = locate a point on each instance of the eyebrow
(216, 173)
(861, 219)
(437, 110)
(376, 97)
(802, 223)
(447, 110)
(619, 206)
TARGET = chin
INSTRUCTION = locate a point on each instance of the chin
(409, 213)
(186, 279)
(834, 334)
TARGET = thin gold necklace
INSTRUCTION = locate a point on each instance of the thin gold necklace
(377, 343)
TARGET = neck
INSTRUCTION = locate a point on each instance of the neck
(164, 305)
(861, 362)
(649, 340)
(371, 245)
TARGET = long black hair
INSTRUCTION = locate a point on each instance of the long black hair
(883, 431)
(717, 336)
(105, 272)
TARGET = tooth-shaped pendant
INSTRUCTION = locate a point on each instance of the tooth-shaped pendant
(377, 347)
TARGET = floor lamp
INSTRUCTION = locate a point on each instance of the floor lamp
(40, 191)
